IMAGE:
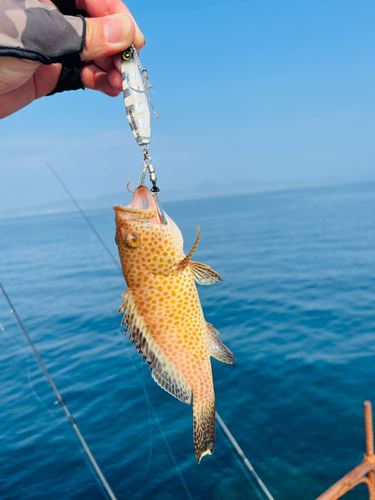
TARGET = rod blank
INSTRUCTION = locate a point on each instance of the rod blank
(93, 462)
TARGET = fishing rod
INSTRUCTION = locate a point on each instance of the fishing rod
(218, 418)
(243, 456)
(60, 400)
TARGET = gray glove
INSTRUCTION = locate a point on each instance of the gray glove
(36, 31)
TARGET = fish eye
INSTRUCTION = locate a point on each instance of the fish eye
(127, 55)
(132, 240)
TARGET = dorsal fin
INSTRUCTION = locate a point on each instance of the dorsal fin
(182, 265)
(203, 274)
(163, 371)
(217, 349)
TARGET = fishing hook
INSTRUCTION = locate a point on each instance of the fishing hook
(136, 89)
(128, 188)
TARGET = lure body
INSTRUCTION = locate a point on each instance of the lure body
(135, 84)
(163, 313)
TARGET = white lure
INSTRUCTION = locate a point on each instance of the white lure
(135, 84)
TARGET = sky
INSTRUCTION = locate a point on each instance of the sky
(247, 91)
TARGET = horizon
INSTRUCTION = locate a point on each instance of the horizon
(271, 93)
(105, 201)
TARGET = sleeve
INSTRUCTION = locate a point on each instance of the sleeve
(36, 31)
(69, 79)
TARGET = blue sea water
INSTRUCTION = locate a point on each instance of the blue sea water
(296, 308)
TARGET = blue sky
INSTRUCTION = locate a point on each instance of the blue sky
(246, 91)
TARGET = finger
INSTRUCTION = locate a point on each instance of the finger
(46, 78)
(105, 36)
(100, 8)
(113, 75)
(117, 61)
(95, 78)
(88, 73)
(101, 62)
(102, 84)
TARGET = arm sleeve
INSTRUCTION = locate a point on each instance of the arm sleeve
(36, 31)
(69, 79)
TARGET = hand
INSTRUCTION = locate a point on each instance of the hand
(102, 72)
(110, 29)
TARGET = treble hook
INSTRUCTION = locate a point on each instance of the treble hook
(128, 188)
(140, 90)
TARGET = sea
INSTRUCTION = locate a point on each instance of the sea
(296, 307)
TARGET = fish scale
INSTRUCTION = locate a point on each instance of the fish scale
(163, 312)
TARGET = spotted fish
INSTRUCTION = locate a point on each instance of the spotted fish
(162, 310)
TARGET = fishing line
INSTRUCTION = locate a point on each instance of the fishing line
(73, 200)
(218, 418)
(60, 400)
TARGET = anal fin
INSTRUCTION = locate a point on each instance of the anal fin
(164, 372)
(203, 274)
(217, 349)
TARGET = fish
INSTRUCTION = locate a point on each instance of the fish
(162, 311)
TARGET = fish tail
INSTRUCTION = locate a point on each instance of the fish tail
(204, 427)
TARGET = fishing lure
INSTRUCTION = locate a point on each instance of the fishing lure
(135, 85)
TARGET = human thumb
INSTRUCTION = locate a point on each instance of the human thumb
(106, 36)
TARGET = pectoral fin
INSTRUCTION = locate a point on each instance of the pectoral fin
(182, 265)
(203, 274)
(217, 349)
(164, 372)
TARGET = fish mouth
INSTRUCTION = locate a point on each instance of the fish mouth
(142, 201)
